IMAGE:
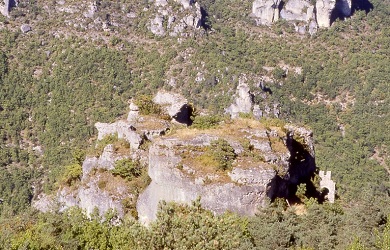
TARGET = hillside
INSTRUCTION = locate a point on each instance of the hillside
(66, 65)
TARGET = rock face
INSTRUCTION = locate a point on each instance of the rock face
(300, 10)
(324, 10)
(266, 11)
(242, 103)
(175, 105)
(169, 19)
(241, 190)
(321, 14)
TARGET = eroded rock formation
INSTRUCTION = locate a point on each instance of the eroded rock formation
(174, 21)
(321, 13)
(242, 189)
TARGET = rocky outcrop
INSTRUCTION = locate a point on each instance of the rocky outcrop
(175, 21)
(175, 105)
(6, 6)
(265, 12)
(320, 14)
(242, 103)
(324, 10)
(300, 10)
(242, 189)
(329, 184)
(169, 19)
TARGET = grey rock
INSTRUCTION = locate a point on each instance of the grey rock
(123, 129)
(25, 28)
(263, 145)
(175, 105)
(326, 182)
(133, 114)
(324, 9)
(242, 103)
(265, 12)
(253, 176)
(156, 26)
(171, 184)
(6, 6)
(243, 194)
(44, 203)
(300, 10)
(312, 27)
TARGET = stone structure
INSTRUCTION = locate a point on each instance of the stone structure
(326, 182)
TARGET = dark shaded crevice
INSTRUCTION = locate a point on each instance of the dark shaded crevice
(205, 22)
(302, 169)
(184, 115)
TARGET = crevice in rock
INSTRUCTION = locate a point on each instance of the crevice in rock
(184, 115)
(302, 169)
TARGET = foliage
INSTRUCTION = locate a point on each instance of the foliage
(223, 154)
(147, 106)
(72, 174)
(127, 169)
(205, 122)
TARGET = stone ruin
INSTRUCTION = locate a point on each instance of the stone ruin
(326, 182)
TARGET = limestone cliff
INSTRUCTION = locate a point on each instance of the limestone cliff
(236, 166)
(321, 13)
(262, 156)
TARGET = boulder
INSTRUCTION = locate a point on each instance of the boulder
(25, 28)
(156, 25)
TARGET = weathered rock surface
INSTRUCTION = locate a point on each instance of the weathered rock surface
(135, 129)
(25, 28)
(169, 20)
(89, 196)
(245, 187)
(242, 103)
(301, 10)
(6, 6)
(266, 11)
(324, 10)
(175, 105)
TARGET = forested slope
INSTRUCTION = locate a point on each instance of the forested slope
(58, 80)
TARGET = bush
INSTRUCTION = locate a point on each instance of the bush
(127, 169)
(147, 106)
(205, 122)
(72, 174)
(223, 153)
